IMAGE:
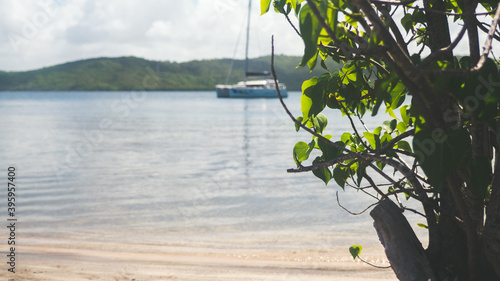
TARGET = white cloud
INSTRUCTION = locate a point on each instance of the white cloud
(39, 33)
(160, 29)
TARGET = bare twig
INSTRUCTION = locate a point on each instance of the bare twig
(361, 120)
(354, 127)
(481, 26)
(371, 264)
(289, 21)
(363, 189)
(352, 213)
(413, 211)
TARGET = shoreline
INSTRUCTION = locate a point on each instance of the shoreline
(108, 261)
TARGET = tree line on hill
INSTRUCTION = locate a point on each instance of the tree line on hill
(128, 73)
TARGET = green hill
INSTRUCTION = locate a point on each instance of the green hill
(129, 73)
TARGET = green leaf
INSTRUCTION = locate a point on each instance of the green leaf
(373, 139)
(301, 151)
(423, 225)
(360, 173)
(404, 114)
(324, 173)
(340, 175)
(329, 152)
(313, 61)
(355, 250)
(323, 65)
(297, 127)
(419, 16)
(264, 6)
(404, 145)
(320, 122)
(401, 127)
(313, 99)
(293, 3)
(332, 102)
(380, 165)
(279, 6)
(407, 22)
(305, 100)
(346, 138)
(332, 18)
(310, 29)
(441, 153)
(385, 139)
(389, 126)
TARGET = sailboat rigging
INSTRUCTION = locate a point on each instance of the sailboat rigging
(262, 88)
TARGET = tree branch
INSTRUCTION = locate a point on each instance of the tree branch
(354, 127)
(405, 4)
(401, 63)
(395, 29)
(294, 28)
(321, 165)
(374, 185)
(470, 23)
(361, 55)
(392, 142)
(442, 51)
(481, 26)
(482, 59)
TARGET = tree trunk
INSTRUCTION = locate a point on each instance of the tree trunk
(402, 247)
(450, 258)
(491, 234)
(439, 31)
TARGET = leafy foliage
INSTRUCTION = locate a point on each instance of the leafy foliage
(442, 112)
(368, 83)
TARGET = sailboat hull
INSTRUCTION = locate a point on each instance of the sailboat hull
(251, 89)
(249, 93)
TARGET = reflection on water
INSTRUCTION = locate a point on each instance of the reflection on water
(166, 166)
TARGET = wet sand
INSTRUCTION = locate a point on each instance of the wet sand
(107, 261)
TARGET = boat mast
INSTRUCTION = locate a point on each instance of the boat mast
(248, 37)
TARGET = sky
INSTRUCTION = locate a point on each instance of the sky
(41, 33)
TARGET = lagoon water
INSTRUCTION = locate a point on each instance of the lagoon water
(170, 168)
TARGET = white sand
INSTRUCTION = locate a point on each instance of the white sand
(106, 261)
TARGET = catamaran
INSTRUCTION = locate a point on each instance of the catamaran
(265, 87)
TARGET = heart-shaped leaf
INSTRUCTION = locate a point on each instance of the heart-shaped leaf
(355, 250)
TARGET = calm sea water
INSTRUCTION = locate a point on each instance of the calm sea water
(168, 167)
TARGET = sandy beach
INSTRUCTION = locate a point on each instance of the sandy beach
(108, 261)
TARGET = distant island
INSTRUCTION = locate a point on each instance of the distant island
(128, 73)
